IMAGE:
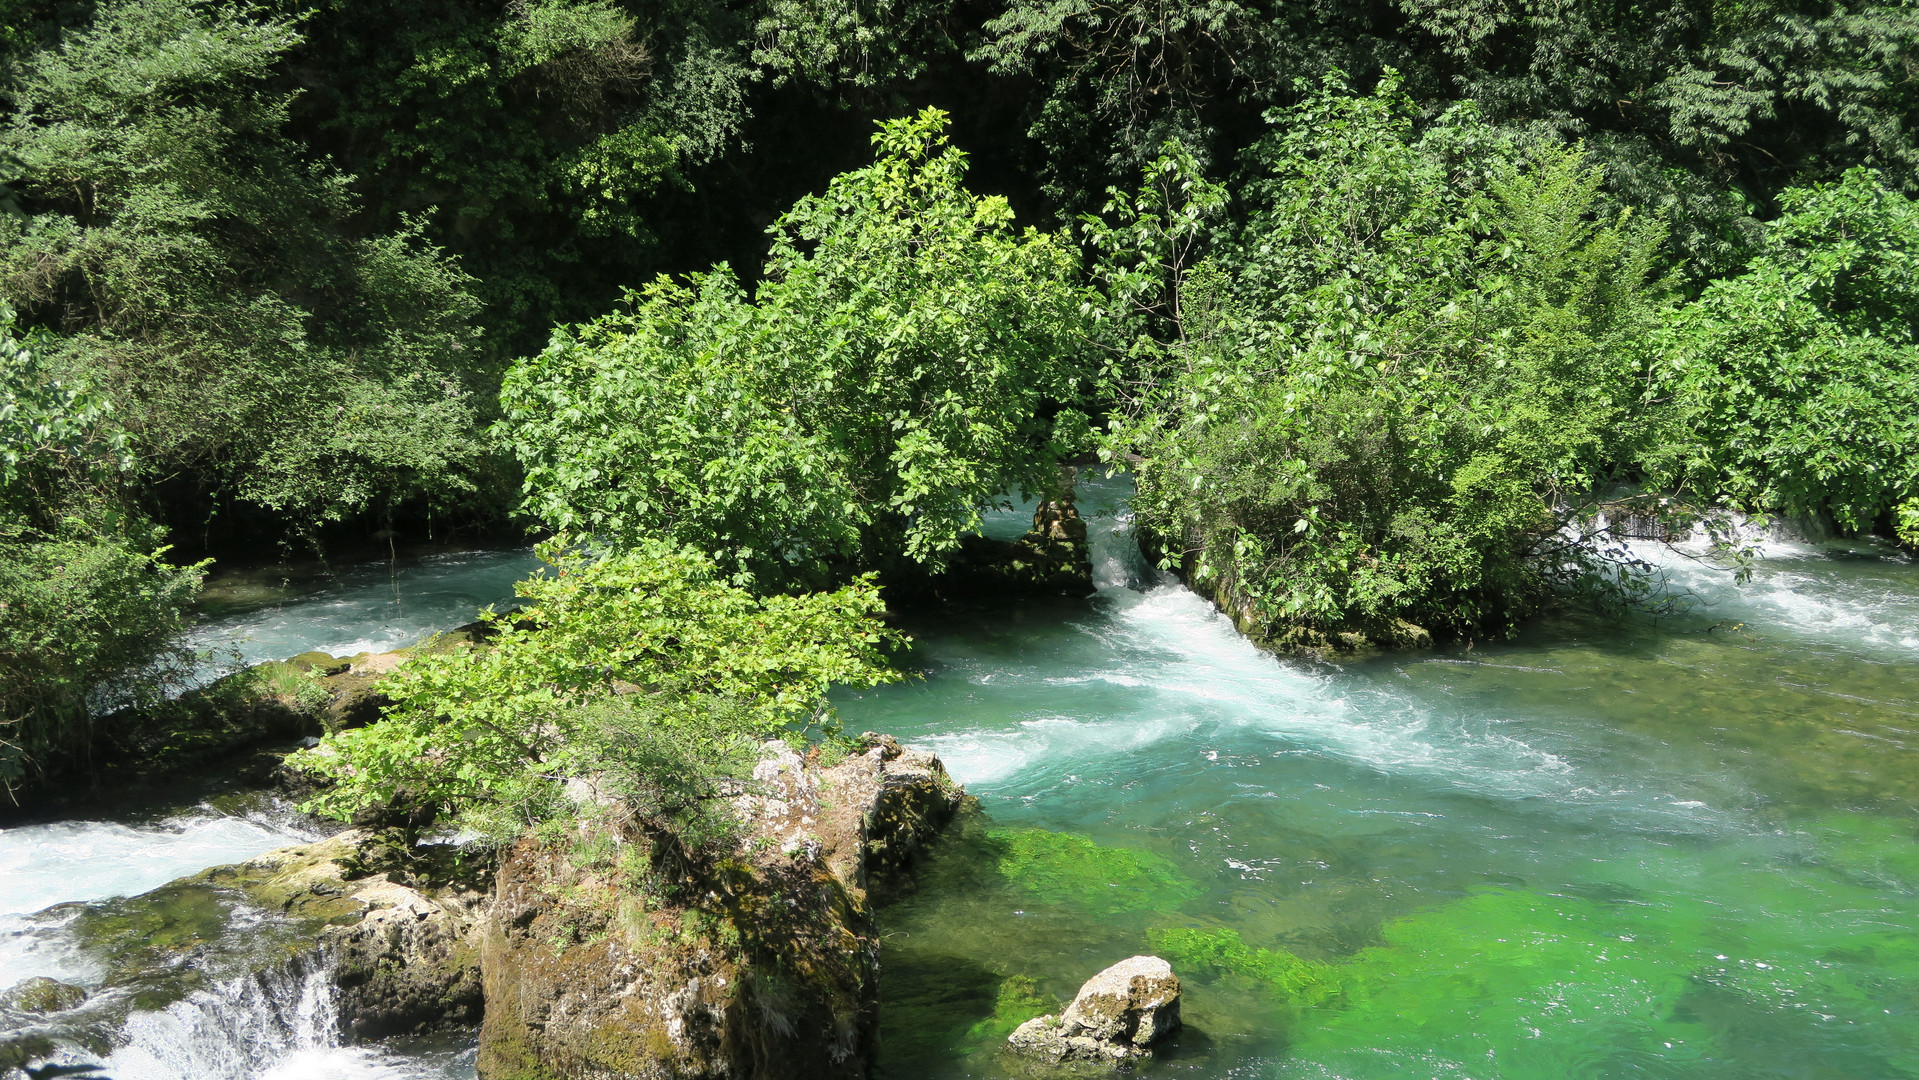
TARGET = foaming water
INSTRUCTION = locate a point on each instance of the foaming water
(1852, 595)
(42, 865)
(235, 1029)
(82, 861)
(281, 1023)
(1679, 847)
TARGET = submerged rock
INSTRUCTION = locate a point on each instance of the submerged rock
(1117, 1016)
(768, 968)
(40, 996)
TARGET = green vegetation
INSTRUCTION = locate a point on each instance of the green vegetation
(1071, 870)
(905, 361)
(1797, 381)
(1221, 952)
(1387, 310)
(1017, 1000)
(1389, 397)
(201, 271)
(639, 676)
(88, 606)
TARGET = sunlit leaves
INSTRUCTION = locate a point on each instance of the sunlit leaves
(651, 630)
(890, 377)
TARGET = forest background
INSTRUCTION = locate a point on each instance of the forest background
(1387, 306)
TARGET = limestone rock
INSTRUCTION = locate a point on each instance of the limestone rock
(1117, 1016)
(405, 946)
(768, 971)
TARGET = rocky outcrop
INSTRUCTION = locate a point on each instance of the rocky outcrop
(763, 965)
(41, 996)
(401, 924)
(1116, 1017)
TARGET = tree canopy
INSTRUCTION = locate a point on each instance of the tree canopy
(907, 357)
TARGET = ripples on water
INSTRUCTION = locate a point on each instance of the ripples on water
(1672, 849)
(1679, 848)
(372, 607)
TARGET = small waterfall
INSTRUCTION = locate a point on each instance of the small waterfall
(236, 1029)
(1117, 560)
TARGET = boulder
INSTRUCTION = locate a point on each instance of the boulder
(764, 966)
(1116, 1017)
(40, 996)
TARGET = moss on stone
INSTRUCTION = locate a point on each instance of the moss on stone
(1017, 1000)
(41, 996)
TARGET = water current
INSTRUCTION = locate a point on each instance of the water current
(65, 886)
(1684, 847)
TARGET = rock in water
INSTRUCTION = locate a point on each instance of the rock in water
(1115, 1017)
(41, 996)
(766, 969)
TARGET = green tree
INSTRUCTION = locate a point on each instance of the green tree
(1391, 397)
(88, 608)
(203, 276)
(1796, 383)
(637, 675)
(909, 357)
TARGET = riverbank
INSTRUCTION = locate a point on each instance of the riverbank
(364, 935)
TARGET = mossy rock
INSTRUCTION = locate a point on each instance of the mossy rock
(319, 662)
(1017, 1000)
(42, 996)
(158, 947)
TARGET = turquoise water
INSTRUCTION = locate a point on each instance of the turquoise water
(266, 614)
(1683, 848)
(1675, 848)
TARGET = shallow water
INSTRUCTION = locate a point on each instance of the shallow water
(1682, 848)
(62, 884)
(258, 615)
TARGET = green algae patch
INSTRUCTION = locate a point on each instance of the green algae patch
(1541, 985)
(1067, 869)
(164, 944)
(1872, 849)
(1191, 950)
(1018, 1000)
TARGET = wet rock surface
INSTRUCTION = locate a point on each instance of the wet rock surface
(42, 996)
(1116, 1017)
(768, 969)
(401, 923)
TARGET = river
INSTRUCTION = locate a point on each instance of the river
(1681, 847)
(1672, 848)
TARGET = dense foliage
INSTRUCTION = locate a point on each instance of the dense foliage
(1797, 382)
(638, 675)
(200, 272)
(907, 358)
(1375, 344)
(1390, 394)
(88, 606)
